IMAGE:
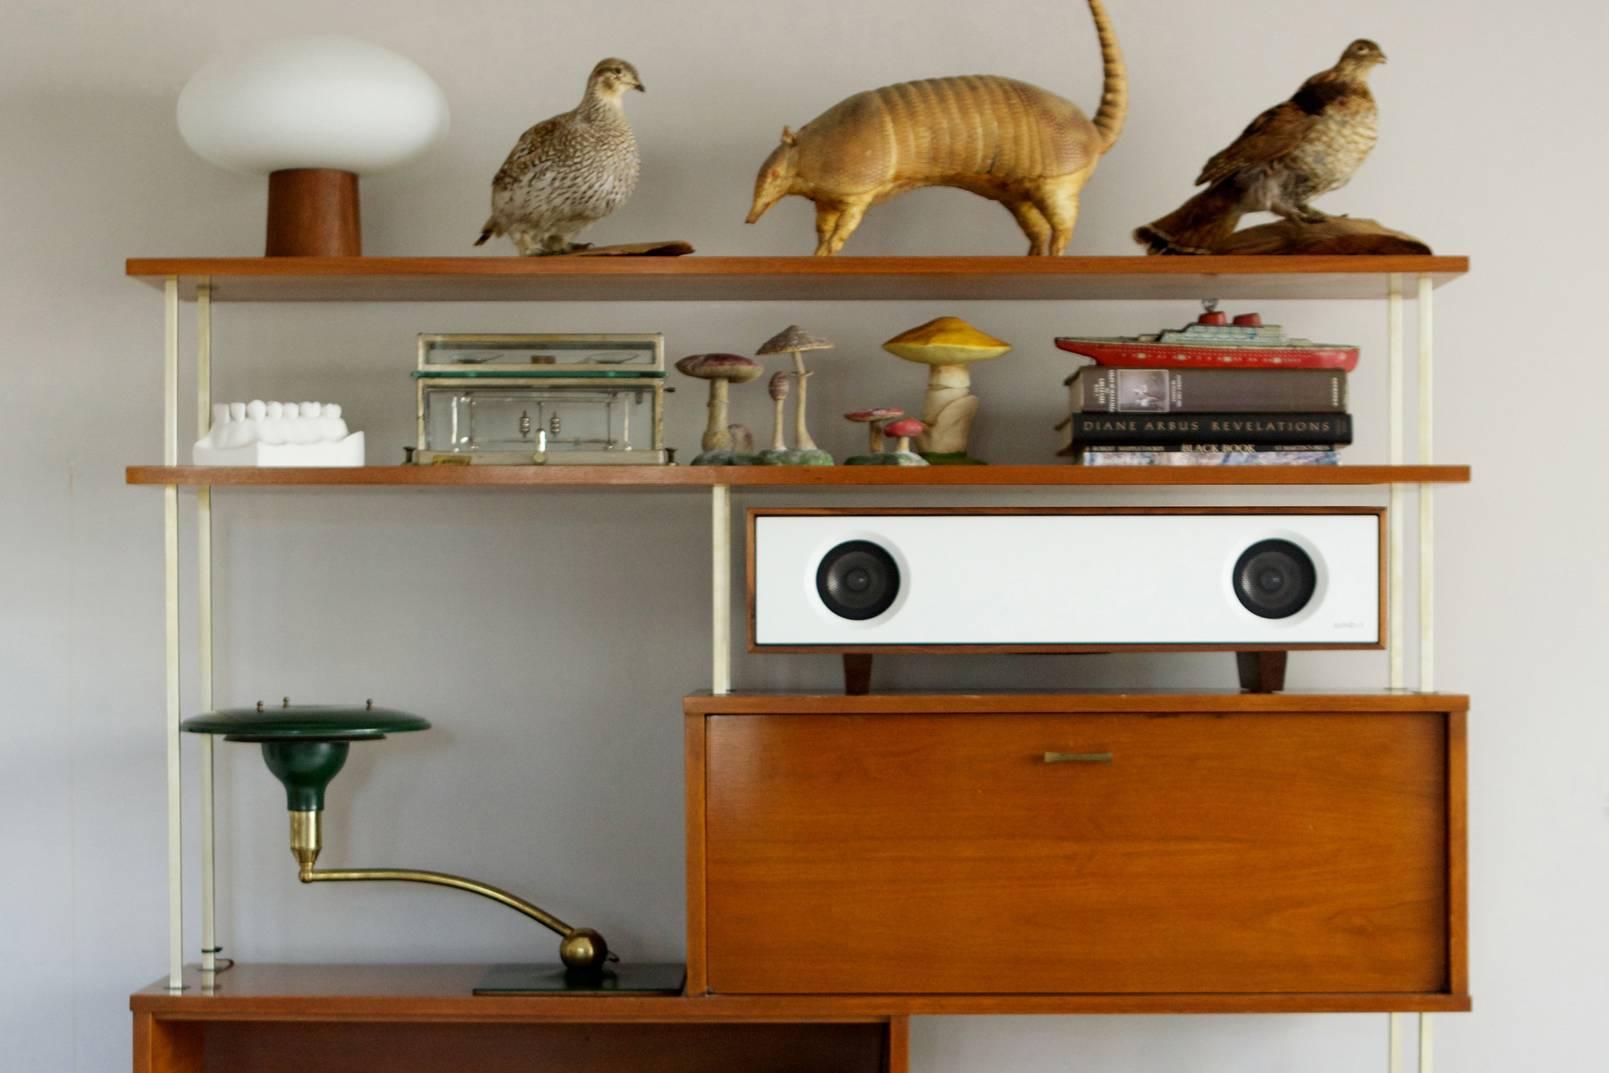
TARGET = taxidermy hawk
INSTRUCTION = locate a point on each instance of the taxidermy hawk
(569, 171)
(1292, 153)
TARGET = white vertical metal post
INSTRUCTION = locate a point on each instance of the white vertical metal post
(1427, 516)
(209, 931)
(170, 556)
(1394, 1043)
(720, 589)
(1395, 620)
(1427, 1044)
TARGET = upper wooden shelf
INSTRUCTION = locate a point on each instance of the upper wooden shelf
(758, 279)
(792, 477)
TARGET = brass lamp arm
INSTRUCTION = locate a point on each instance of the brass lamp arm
(440, 879)
(581, 949)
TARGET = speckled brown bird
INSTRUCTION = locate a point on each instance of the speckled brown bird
(1292, 153)
(570, 171)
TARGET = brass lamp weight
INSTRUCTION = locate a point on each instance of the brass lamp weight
(305, 747)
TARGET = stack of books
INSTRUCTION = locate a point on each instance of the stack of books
(1215, 393)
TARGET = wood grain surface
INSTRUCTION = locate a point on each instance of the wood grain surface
(704, 278)
(441, 994)
(544, 1048)
(792, 477)
(1217, 853)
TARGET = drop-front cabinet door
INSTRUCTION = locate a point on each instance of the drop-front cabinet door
(1113, 854)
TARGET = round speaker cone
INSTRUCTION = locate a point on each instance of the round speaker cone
(1275, 579)
(857, 580)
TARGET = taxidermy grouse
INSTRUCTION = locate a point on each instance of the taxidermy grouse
(570, 171)
(1292, 153)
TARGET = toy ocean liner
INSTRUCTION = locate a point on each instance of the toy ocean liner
(1214, 342)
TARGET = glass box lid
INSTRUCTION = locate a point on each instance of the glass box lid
(541, 356)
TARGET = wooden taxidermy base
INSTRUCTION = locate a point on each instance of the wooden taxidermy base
(313, 212)
(1262, 672)
(1336, 235)
(671, 248)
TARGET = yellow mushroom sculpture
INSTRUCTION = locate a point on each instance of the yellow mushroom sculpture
(948, 346)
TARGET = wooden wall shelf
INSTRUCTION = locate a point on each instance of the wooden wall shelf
(788, 477)
(423, 1018)
(761, 279)
(441, 994)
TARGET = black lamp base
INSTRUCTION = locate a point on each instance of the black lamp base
(550, 980)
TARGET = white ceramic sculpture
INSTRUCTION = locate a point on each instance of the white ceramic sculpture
(261, 433)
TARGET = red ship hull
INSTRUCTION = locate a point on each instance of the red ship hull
(1134, 354)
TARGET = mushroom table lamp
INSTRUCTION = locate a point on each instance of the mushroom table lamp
(305, 746)
(312, 113)
(947, 346)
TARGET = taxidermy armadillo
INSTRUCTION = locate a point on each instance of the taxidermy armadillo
(1017, 144)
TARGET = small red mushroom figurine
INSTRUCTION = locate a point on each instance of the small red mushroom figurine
(905, 430)
(873, 420)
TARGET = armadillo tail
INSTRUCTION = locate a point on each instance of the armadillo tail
(1197, 226)
(1115, 93)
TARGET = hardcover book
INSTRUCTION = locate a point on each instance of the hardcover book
(1197, 448)
(1099, 389)
(1171, 430)
(1209, 458)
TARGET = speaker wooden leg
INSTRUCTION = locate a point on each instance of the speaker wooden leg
(1262, 672)
(857, 674)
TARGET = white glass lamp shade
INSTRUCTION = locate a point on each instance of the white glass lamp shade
(312, 102)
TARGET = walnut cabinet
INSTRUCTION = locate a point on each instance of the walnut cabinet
(1152, 847)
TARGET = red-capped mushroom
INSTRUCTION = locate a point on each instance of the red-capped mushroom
(873, 420)
(905, 429)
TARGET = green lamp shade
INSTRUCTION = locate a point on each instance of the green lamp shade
(305, 745)
(305, 722)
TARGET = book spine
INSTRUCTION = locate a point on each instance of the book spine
(1209, 458)
(1099, 389)
(1201, 448)
(1170, 430)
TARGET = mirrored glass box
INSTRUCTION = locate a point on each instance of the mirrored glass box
(541, 399)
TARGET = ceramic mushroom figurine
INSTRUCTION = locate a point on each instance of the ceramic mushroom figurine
(720, 370)
(873, 420)
(777, 453)
(947, 346)
(902, 454)
(795, 340)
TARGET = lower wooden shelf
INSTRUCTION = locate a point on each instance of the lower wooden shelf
(424, 1019)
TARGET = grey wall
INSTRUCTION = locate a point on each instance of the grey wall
(551, 636)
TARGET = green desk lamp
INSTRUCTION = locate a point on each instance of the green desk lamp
(306, 745)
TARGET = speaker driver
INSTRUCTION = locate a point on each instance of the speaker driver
(1275, 579)
(857, 580)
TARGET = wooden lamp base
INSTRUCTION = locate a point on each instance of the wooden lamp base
(313, 212)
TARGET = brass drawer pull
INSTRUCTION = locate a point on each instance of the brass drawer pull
(1078, 758)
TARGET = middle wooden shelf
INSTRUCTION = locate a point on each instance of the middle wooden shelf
(760, 477)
